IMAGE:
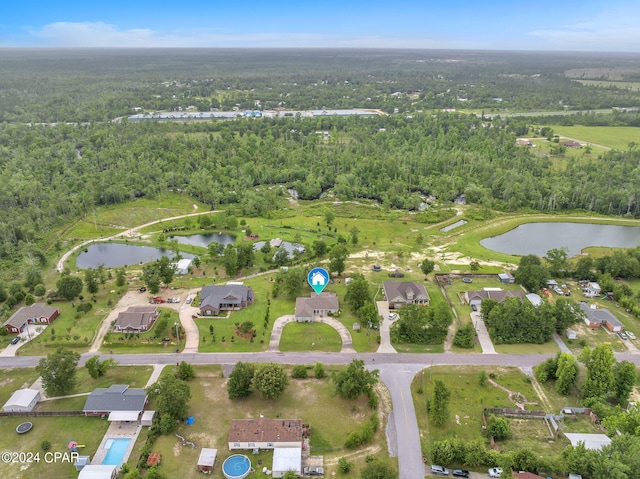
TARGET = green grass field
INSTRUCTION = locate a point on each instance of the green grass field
(14, 379)
(310, 337)
(617, 137)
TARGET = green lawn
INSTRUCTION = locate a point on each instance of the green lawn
(13, 379)
(617, 137)
(331, 419)
(313, 336)
(58, 431)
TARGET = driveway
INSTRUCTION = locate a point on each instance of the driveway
(385, 328)
(483, 334)
(278, 326)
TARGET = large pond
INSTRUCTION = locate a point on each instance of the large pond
(113, 255)
(538, 238)
(205, 240)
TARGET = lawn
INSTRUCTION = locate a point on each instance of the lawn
(58, 431)
(313, 336)
(534, 435)
(13, 379)
(617, 137)
(331, 419)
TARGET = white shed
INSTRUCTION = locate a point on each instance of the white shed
(98, 471)
(23, 400)
(182, 266)
(207, 460)
(147, 418)
(287, 459)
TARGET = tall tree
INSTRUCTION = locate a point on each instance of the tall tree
(69, 287)
(599, 362)
(557, 260)
(91, 280)
(354, 380)
(427, 266)
(172, 397)
(625, 378)
(566, 373)
(98, 368)
(358, 293)
(440, 403)
(58, 372)
(240, 382)
(270, 380)
(531, 273)
(338, 256)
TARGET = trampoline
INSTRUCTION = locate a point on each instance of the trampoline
(24, 427)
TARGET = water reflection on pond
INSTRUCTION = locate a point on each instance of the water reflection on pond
(113, 255)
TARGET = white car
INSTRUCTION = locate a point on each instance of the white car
(630, 335)
(495, 472)
(393, 316)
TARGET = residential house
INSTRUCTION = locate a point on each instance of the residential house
(571, 144)
(214, 299)
(524, 142)
(37, 313)
(315, 307)
(400, 293)
(136, 319)
(475, 298)
(506, 278)
(22, 400)
(595, 317)
(119, 401)
(207, 460)
(592, 290)
(265, 433)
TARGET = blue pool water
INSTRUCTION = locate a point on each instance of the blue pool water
(236, 466)
(117, 448)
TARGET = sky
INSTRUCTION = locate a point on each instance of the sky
(560, 25)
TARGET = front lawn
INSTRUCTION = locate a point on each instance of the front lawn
(310, 337)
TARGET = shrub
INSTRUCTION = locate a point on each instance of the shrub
(465, 337)
(45, 445)
(318, 371)
(299, 371)
(344, 465)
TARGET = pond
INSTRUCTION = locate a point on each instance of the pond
(538, 238)
(113, 255)
(204, 240)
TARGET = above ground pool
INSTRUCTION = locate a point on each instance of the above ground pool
(117, 449)
(236, 466)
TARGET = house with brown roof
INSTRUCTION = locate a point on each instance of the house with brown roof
(37, 313)
(315, 307)
(136, 319)
(475, 298)
(571, 144)
(400, 293)
(265, 433)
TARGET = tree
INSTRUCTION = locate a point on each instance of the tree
(344, 465)
(91, 280)
(337, 256)
(557, 259)
(40, 290)
(531, 273)
(246, 255)
(599, 362)
(354, 235)
(270, 380)
(69, 287)
(241, 380)
(185, 371)
(281, 257)
(624, 380)
(474, 265)
(160, 271)
(567, 313)
(498, 428)
(584, 269)
(290, 281)
(354, 380)
(427, 266)
(121, 278)
(98, 368)
(319, 248)
(329, 217)
(378, 470)
(290, 475)
(358, 293)
(29, 299)
(230, 260)
(58, 371)
(440, 403)
(566, 373)
(172, 397)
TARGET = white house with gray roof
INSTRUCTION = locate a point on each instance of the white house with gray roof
(315, 307)
(230, 297)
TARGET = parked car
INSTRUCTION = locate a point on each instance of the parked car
(630, 335)
(460, 473)
(313, 471)
(189, 300)
(143, 289)
(393, 316)
(15, 340)
(622, 335)
(495, 472)
(439, 470)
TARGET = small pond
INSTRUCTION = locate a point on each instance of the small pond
(538, 238)
(204, 240)
(113, 255)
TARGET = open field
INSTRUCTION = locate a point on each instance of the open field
(617, 137)
(310, 337)
(14, 379)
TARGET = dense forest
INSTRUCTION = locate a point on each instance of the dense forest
(53, 173)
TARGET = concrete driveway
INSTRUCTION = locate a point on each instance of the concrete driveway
(385, 328)
(483, 334)
(279, 324)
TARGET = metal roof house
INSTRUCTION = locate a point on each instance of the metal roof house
(36, 313)
(118, 397)
(23, 400)
(214, 299)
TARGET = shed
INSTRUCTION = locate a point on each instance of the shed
(534, 299)
(98, 471)
(82, 462)
(506, 278)
(287, 459)
(571, 334)
(183, 265)
(23, 400)
(207, 459)
(147, 418)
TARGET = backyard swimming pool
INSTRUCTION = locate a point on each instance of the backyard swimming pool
(117, 449)
(237, 466)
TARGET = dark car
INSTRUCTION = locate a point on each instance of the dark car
(15, 340)
(143, 289)
(313, 471)
(460, 473)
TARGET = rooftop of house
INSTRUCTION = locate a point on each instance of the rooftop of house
(323, 301)
(232, 293)
(393, 289)
(36, 310)
(265, 430)
(118, 397)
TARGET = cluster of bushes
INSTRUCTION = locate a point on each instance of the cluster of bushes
(465, 337)
(365, 434)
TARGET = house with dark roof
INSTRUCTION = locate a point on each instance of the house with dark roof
(37, 313)
(595, 317)
(231, 297)
(265, 433)
(400, 293)
(571, 144)
(317, 306)
(475, 298)
(116, 398)
(136, 319)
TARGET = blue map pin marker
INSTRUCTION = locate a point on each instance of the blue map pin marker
(318, 279)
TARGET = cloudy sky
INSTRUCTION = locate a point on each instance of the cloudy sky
(581, 25)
